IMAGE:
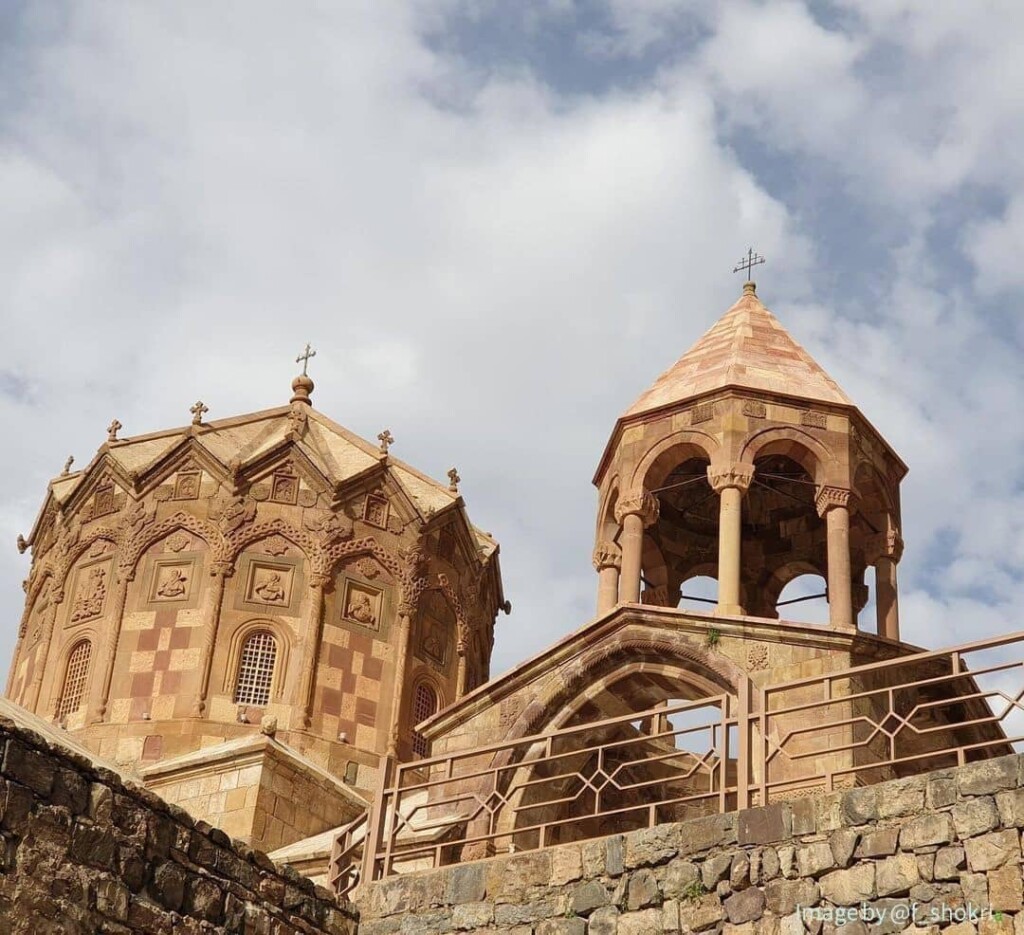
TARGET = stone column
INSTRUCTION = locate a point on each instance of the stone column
(313, 629)
(220, 571)
(833, 504)
(401, 654)
(730, 483)
(887, 607)
(45, 651)
(607, 562)
(634, 513)
(110, 647)
(461, 648)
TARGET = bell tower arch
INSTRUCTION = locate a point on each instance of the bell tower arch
(747, 463)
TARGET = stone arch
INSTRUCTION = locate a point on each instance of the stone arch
(607, 526)
(236, 638)
(794, 443)
(670, 452)
(617, 654)
(256, 532)
(139, 545)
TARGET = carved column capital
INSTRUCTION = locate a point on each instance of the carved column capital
(640, 503)
(607, 555)
(887, 544)
(738, 475)
(222, 569)
(828, 498)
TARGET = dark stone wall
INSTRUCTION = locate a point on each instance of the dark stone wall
(82, 852)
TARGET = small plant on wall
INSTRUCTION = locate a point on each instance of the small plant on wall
(712, 637)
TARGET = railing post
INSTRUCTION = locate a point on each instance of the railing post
(375, 822)
(743, 763)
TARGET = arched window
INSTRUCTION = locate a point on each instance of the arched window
(75, 676)
(424, 704)
(256, 669)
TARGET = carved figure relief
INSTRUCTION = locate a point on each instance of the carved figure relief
(90, 595)
(362, 604)
(186, 485)
(172, 582)
(103, 501)
(285, 489)
(376, 511)
(436, 624)
(270, 588)
(235, 514)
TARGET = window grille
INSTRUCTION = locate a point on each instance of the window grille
(74, 679)
(256, 669)
(424, 704)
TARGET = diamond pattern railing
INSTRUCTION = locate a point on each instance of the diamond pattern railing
(851, 727)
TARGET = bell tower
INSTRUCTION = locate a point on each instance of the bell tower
(745, 462)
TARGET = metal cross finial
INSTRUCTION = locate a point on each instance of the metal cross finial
(749, 262)
(198, 410)
(304, 357)
(453, 480)
(67, 464)
(112, 430)
(386, 440)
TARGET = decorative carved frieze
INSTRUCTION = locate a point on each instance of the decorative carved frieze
(757, 657)
(738, 475)
(755, 409)
(814, 420)
(704, 412)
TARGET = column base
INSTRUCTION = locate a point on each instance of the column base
(729, 610)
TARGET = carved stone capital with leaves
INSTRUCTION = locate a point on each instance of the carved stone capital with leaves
(607, 555)
(639, 503)
(828, 498)
(887, 544)
(738, 476)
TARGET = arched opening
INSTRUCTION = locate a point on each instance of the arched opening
(699, 593)
(425, 704)
(76, 674)
(256, 669)
(803, 600)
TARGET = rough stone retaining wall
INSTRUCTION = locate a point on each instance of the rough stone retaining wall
(940, 843)
(83, 853)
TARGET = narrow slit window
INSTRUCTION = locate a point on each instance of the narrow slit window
(75, 678)
(424, 704)
(256, 669)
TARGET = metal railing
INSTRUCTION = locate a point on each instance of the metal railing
(683, 759)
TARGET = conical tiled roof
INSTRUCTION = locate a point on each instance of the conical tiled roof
(748, 348)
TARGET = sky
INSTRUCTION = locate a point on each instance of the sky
(498, 223)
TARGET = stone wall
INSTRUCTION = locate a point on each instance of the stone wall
(940, 846)
(81, 852)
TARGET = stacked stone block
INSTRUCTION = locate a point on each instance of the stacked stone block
(933, 845)
(82, 852)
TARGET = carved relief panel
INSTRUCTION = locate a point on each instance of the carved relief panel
(362, 598)
(361, 603)
(436, 630)
(270, 584)
(375, 512)
(89, 591)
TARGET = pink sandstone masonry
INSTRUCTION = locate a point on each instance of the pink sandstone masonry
(81, 853)
(945, 846)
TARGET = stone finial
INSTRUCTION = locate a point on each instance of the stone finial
(302, 387)
(67, 465)
(22, 544)
(453, 480)
(268, 725)
(198, 410)
(112, 430)
(386, 440)
(750, 288)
